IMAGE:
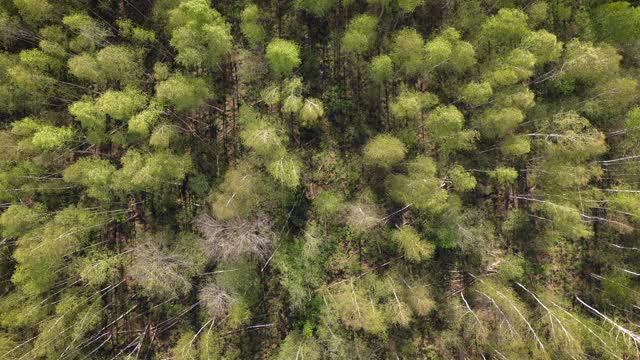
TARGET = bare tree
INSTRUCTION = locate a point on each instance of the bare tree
(216, 300)
(230, 239)
(159, 272)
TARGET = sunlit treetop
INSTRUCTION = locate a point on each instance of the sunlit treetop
(407, 52)
(384, 151)
(360, 35)
(283, 57)
(251, 27)
(200, 35)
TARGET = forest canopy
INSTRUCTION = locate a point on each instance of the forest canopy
(319, 179)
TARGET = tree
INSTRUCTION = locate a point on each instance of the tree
(311, 112)
(121, 105)
(445, 128)
(617, 23)
(183, 92)
(163, 272)
(228, 240)
(90, 33)
(152, 172)
(588, 64)
(120, 63)
(420, 188)
(48, 137)
(499, 122)
(34, 12)
(384, 151)
(286, 169)
(250, 26)
(317, 8)
(448, 51)
(381, 68)
(283, 57)
(94, 174)
(411, 105)
(360, 35)
(461, 179)
(411, 245)
(199, 34)
(410, 6)
(407, 52)
(241, 193)
(40, 255)
(505, 30)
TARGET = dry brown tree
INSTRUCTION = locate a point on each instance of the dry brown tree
(216, 300)
(233, 238)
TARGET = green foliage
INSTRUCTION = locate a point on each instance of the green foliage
(515, 146)
(37, 59)
(262, 136)
(461, 179)
(567, 220)
(162, 136)
(505, 30)
(327, 204)
(135, 34)
(121, 105)
(410, 105)
(92, 119)
(85, 67)
(18, 220)
(420, 188)
(311, 112)
(504, 175)
(447, 51)
(410, 6)
(283, 57)
(286, 169)
(381, 68)
(411, 245)
(142, 122)
(354, 309)
(397, 179)
(90, 34)
(315, 7)
(477, 94)
(240, 194)
(588, 64)
(99, 268)
(40, 254)
(384, 151)
(499, 122)
(360, 35)
(632, 124)
(151, 172)
(617, 23)
(511, 268)
(185, 348)
(297, 345)
(544, 46)
(407, 52)
(183, 92)
(250, 26)
(119, 63)
(611, 98)
(34, 11)
(445, 126)
(51, 138)
(616, 288)
(94, 174)
(199, 34)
